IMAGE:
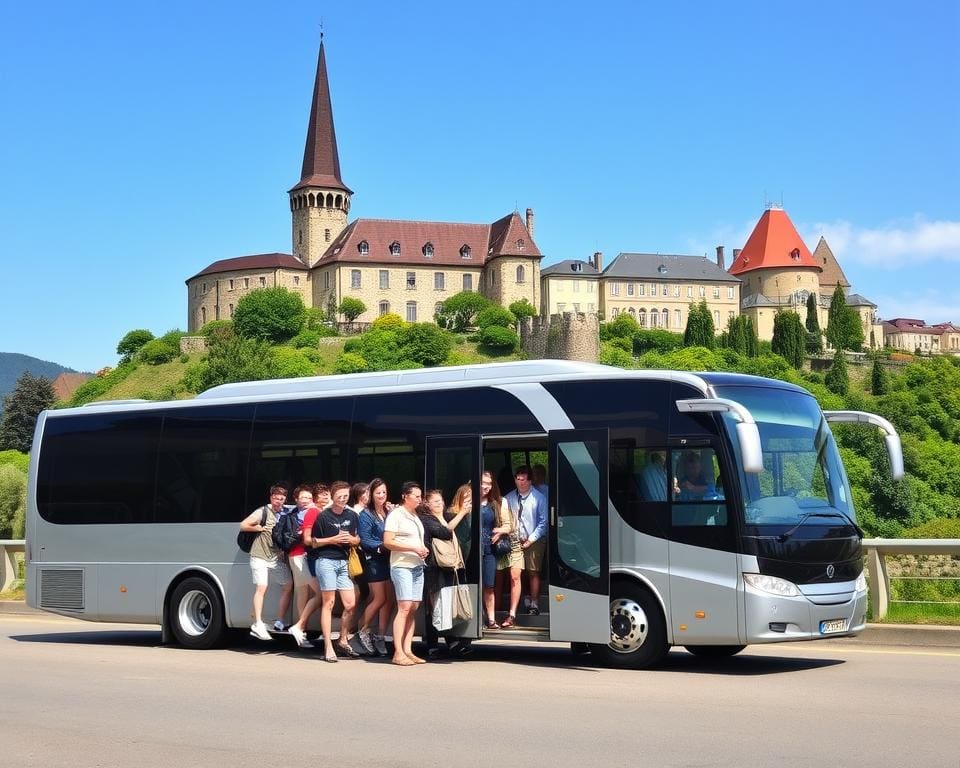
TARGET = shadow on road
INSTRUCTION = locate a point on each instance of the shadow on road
(145, 638)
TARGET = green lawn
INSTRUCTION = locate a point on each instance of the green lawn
(149, 381)
(13, 594)
(947, 614)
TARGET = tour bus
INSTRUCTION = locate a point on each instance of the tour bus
(133, 507)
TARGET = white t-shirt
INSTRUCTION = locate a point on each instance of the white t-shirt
(407, 530)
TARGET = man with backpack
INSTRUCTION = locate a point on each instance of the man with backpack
(266, 559)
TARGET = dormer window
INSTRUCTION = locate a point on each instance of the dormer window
(428, 250)
(394, 248)
(576, 266)
(364, 248)
(464, 251)
(662, 269)
(520, 244)
(795, 254)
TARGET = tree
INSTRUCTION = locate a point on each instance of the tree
(351, 308)
(699, 331)
(234, 359)
(424, 343)
(13, 501)
(459, 311)
(740, 336)
(814, 340)
(130, 344)
(523, 308)
(837, 379)
(853, 331)
(495, 315)
(498, 339)
(270, 314)
(844, 330)
(879, 379)
(623, 325)
(31, 394)
(789, 338)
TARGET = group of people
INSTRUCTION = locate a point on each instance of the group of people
(399, 570)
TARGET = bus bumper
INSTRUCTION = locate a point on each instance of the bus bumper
(775, 619)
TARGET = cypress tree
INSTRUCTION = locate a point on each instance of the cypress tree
(30, 395)
(837, 379)
(879, 379)
(789, 338)
(699, 330)
(814, 342)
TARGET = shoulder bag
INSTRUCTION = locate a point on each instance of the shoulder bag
(446, 553)
(245, 539)
(502, 546)
(354, 563)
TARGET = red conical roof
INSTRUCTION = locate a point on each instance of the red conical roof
(774, 243)
(321, 162)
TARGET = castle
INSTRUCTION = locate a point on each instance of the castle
(404, 267)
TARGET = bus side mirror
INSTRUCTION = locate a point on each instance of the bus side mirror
(890, 437)
(747, 433)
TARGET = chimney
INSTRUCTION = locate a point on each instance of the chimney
(720, 260)
(530, 222)
(597, 261)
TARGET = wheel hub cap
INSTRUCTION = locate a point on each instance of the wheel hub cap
(194, 613)
(628, 625)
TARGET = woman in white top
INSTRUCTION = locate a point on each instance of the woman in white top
(403, 536)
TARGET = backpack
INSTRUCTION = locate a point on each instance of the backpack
(245, 539)
(286, 532)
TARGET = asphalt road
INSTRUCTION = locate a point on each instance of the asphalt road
(77, 694)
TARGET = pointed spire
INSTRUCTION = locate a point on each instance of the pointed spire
(321, 162)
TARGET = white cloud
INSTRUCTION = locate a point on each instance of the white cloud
(893, 246)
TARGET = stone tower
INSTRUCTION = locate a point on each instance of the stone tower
(320, 202)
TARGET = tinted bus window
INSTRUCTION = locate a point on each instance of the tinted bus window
(631, 409)
(98, 468)
(203, 463)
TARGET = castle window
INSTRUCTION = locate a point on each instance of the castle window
(590, 286)
(384, 279)
(676, 291)
(520, 244)
(654, 319)
(642, 318)
(338, 202)
(203, 315)
(665, 317)
(641, 292)
(428, 250)
(296, 279)
(630, 310)
(204, 287)
(653, 289)
(795, 254)
(438, 281)
(630, 289)
(231, 286)
(411, 281)
(716, 291)
(411, 311)
(326, 235)
(676, 318)
(438, 308)
(616, 311)
(464, 251)
(576, 286)
(354, 278)
(326, 280)
(384, 307)
(730, 292)
(561, 307)
(591, 307)
(299, 237)
(263, 282)
(330, 200)
(311, 199)
(703, 292)
(576, 307)
(614, 289)
(468, 282)
(689, 291)
(521, 273)
(716, 318)
(231, 311)
(394, 248)
(666, 290)
(364, 247)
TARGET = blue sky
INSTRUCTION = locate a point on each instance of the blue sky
(141, 141)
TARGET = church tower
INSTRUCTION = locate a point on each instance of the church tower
(320, 202)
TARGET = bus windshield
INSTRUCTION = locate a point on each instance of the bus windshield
(803, 480)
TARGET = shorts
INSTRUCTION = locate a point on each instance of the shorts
(260, 569)
(489, 567)
(332, 574)
(377, 568)
(514, 559)
(408, 583)
(301, 573)
(533, 556)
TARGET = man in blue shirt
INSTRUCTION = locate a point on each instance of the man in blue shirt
(529, 508)
(653, 479)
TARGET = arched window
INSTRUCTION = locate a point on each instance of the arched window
(438, 308)
(521, 273)
(330, 200)
(384, 307)
(616, 311)
(428, 250)
(665, 318)
(363, 247)
(464, 251)
(411, 311)
(203, 316)
(630, 310)
(642, 317)
(394, 248)
(339, 201)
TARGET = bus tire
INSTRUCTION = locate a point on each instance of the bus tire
(638, 634)
(195, 614)
(714, 651)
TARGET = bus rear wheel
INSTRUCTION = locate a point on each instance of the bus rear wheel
(714, 651)
(195, 614)
(638, 635)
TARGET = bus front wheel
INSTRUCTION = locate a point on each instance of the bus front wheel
(714, 651)
(195, 614)
(638, 636)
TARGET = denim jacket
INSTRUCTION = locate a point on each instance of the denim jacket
(371, 534)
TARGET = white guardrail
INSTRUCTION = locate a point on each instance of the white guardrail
(877, 550)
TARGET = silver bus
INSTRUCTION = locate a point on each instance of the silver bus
(133, 507)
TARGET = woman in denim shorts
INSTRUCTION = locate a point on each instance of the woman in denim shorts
(403, 536)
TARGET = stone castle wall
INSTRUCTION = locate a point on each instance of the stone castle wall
(567, 336)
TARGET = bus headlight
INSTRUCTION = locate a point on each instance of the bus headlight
(860, 585)
(771, 585)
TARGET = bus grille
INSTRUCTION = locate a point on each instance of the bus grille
(61, 588)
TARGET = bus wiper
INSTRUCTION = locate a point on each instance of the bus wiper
(787, 534)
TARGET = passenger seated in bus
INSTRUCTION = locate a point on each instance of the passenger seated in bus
(653, 478)
(265, 560)
(693, 482)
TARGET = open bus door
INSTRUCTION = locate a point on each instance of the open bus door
(579, 550)
(451, 461)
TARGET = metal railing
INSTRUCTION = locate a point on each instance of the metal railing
(10, 562)
(877, 550)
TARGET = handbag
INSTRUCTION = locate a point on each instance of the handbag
(502, 546)
(443, 601)
(354, 563)
(245, 539)
(446, 554)
(462, 602)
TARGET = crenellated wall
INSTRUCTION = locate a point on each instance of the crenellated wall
(567, 336)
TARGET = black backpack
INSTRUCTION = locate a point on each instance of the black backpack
(245, 539)
(286, 532)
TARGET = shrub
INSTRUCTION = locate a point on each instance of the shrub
(217, 328)
(96, 387)
(291, 363)
(315, 319)
(661, 341)
(613, 354)
(351, 308)
(13, 501)
(130, 344)
(15, 458)
(352, 344)
(523, 308)
(387, 322)
(699, 331)
(623, 343)
(936, 528)
(499, 340)
(269, 314)
(625, 325)
(494, 315)
(184, 357)
(237, 359)
(459, 311)
(157, 352)
(305, 339)
(837, 379)
(425, 344)
(350, 362)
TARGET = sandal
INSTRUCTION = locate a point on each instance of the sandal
(331, 659)
(402, 661)
(508, 622)
(491, 625)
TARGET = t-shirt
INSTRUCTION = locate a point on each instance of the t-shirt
(263, 544)
(407, 530)
(328, 524)
(307, 517)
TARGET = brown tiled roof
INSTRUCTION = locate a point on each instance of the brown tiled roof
(321, 161)
(447, 239)
(67, 383)
(831, 274)
(774, 242)
(256, 261)
(912, 325)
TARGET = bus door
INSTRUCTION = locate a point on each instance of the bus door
(704, 564)
(452, 461)
(579, 549)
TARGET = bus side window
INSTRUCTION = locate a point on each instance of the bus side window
(696, 494)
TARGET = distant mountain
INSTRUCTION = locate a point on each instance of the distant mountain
(13, 364)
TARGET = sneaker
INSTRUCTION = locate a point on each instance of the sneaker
(259, 631)
(380, 645)
(533, 610)
(367, 642)
(279, 626)
(526, 603)
(300, 637)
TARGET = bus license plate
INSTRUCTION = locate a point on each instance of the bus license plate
(833, 625)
